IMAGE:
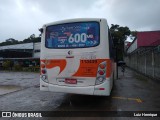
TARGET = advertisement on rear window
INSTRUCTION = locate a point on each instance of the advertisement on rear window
(73, 35)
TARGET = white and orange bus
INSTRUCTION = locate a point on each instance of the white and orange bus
(77, 57)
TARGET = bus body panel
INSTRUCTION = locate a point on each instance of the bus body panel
(61, 66)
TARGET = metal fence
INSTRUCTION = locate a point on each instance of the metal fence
(146, 61)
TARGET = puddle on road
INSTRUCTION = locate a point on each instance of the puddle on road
(5, 89)
(9, 79)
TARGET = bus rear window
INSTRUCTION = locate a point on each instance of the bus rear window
(73, 35)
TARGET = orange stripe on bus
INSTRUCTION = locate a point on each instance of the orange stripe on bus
(90, 69)
(54, 63)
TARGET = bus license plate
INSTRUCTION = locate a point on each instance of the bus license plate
(71, 81)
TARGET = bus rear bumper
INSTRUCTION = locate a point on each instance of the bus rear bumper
(76, 90)
(89, 90)
(66, 89)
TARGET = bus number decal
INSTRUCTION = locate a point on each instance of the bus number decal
(89, 61)
(88, 68)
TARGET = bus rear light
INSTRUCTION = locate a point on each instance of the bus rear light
(101, 88)
(42, 66)
(99, 80)
(101, 72)
(43, 71)
(102, 66)
(44, 78)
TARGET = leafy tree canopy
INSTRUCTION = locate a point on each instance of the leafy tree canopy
(119, 35)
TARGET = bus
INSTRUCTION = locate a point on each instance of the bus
(77, 56)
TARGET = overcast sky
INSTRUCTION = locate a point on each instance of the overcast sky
(21, 18)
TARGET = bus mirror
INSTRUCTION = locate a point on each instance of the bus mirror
(41, 30)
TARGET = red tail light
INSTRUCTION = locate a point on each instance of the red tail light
(42, 66)
(102, 66)
(101, 88)
(43, 71)
(101, 72)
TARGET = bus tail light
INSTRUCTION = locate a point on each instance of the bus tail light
(101, 88)
(43, 71)
(102, 66)
(101, 73)
(43, 77)
(42, 66)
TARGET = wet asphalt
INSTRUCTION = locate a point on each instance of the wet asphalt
(19, 91)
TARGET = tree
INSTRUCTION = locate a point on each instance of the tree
(32, 38)
(133, 35)
(9, 41)
(119, 35)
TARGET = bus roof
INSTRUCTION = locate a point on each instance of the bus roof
(74, 20)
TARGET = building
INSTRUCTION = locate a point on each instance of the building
(145, 39)
(24, 50)
(36, 50)
(144, 53)
(26, 54)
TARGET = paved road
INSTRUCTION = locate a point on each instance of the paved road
(19, 91)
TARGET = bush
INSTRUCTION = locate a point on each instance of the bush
(18, 67)
(6, 65)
